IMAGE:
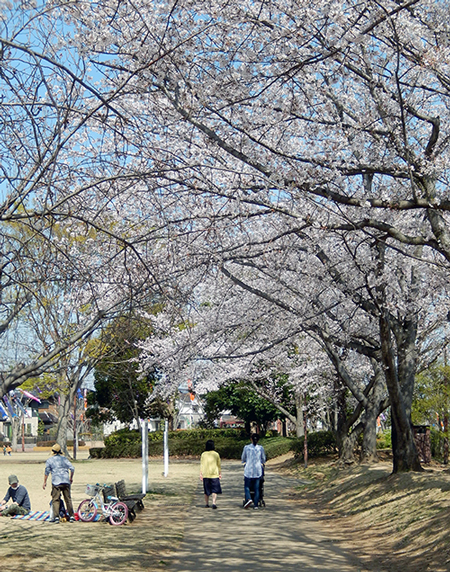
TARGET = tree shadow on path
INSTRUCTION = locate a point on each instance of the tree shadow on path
(278, 538)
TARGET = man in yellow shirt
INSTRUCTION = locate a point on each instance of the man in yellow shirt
(210, 473)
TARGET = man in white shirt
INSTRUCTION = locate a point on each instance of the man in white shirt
(254, 458)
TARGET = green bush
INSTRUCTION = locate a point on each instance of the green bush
(276, 446)
(320, 443)
(122, 436)
(45, 443)
(96, 452)
(226, 447)
(205, 434)
(228, 443)
(384, 440)
(81, 443)
(437, 443)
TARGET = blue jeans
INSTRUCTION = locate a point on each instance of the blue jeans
(248, 482)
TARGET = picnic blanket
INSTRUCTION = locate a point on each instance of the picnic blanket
(43, 515)
(36, 515)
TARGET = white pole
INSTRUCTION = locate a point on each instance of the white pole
(166, 448)
(144, 456)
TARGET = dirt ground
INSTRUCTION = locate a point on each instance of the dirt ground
(390, 523)
(31, 546)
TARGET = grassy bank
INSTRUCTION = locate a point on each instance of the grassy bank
(393, 522)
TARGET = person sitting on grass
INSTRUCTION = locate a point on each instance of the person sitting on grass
(210, 473)
(19, 496)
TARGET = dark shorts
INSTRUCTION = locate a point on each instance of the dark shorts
(211, 486)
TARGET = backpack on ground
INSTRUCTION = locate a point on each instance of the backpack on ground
(63, 512)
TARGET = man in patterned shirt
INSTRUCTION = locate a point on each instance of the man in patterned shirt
(62, 472)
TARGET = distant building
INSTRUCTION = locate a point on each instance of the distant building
(30, 426)
(190, 411)
(230, 421)
(189, 414)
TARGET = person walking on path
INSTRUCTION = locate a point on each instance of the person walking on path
(19, 495)
(254, 458)
(210, 473)
(62, 472)
(9, 450)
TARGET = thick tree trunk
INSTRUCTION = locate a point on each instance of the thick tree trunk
(375, 404)
(15, 429)
(345, 440)
(369, 444)
(347, 445)
(445, 446)
(400, 384)
(63, 413)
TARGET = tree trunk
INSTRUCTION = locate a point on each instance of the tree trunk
(300, 426)
(374, 406)
(369, 444)
(15, 429)
(348, 443)
(305, 441)
(405, 456)
(65, 404)
(345, 441)
(445, 447)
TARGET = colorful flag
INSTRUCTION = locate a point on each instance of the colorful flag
(3, 412)
(9, 406)
(20, 405)
(29, 395)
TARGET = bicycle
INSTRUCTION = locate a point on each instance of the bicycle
(112, 508)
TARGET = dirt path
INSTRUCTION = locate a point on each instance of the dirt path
(279, 538)
(174, 532)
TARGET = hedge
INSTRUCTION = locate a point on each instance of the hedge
(320, 443)
(437, 438)
(228, 443)
(81, 443)
(384, 440)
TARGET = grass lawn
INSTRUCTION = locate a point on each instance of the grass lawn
(143, 545)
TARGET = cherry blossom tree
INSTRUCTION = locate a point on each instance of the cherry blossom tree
(68, 216)
(234, 137)
(333, 116)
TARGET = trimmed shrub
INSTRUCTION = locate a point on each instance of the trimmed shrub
(384, 440)
(320, 443)
(276, 446)
(226, 447)
(96, 452)
(81, 443)
(437, 443)
(45, 443)
(205, 434)
(228, 443)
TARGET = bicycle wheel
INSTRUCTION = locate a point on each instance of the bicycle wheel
(87, 510)
(119, 513)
